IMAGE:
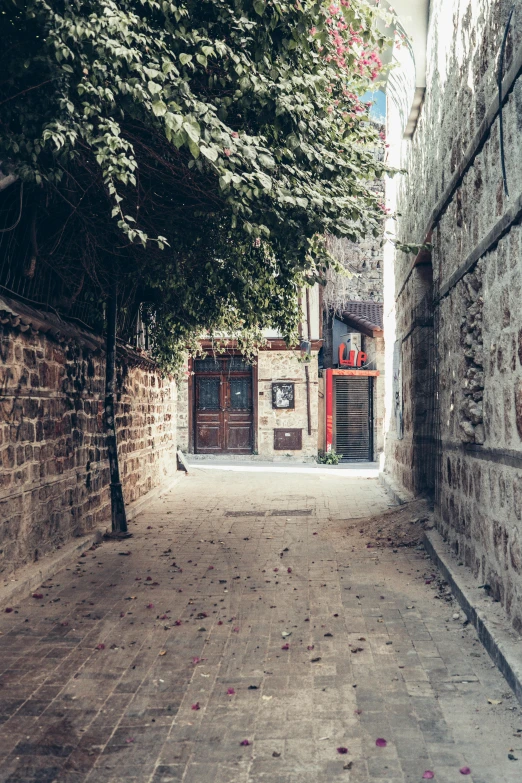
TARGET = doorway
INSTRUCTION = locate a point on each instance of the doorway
(353, 421)
(223, 406)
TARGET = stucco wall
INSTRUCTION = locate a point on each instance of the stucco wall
(54, 476)
(467, 434)
(285, 366)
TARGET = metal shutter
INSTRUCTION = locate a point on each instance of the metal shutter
(354, 418)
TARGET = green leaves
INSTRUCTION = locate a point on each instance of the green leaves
(205, 145)
(159, 108)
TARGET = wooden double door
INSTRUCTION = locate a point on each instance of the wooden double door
(223, 406)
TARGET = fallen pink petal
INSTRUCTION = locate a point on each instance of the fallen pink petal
(37, 595)
(289, 570)
(428, 775)
(100, 647)
(357, 712)
(285, 647)
(196, 706)
(129, 740)
(177, 622)
(150, 606)
(465, 771)
(342, 750)
(8, 610)
(231, 692)
(236, 630)
(245, 742)
(380, 742)
(311, 647)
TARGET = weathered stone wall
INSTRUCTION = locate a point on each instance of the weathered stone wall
(374, 348)
(276, 366)
(473, 433)
(54, 475)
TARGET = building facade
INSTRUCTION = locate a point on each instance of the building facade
(267, 409)
(452, 309)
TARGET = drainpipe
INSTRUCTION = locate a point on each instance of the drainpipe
(118, 516)
(308, 411)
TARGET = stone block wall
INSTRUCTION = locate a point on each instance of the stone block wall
(473, 432)
(54, 474)
(276, 366)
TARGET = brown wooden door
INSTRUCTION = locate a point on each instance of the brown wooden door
(223, 406)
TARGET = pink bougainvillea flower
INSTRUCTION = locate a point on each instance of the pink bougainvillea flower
(197, 660)
(276, 569)
(149, 579)
(245, 742)
(380, 742)
(196, 706)
(342, 750)
(289, 570)
(285, 647)
(465, 771)
(164, 617)
(8, 609)
(122, 614)
(177, 622)
(220, 622)
(37, 595)
(428, 775)
(236, 630)
(231, 692)
(100, 647)
(150, 606)
(210, 568)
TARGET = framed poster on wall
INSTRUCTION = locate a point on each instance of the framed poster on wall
(283, 395)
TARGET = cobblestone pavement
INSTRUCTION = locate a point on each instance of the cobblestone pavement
(244, 635)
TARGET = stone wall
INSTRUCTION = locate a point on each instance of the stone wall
(374, 349)
(285, 366)
(54, 477)
(467, 435)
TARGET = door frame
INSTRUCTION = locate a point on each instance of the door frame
(192, 400)
(328, 375)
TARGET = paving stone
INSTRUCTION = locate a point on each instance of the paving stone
(100, 686)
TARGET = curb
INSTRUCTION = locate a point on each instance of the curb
(30, 576)
(501, 642)
(400, 495)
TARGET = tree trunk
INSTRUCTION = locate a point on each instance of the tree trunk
(119, 520)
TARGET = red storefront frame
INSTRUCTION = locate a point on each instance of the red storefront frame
(328, 376)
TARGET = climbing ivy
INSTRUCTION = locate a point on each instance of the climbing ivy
(200, 149)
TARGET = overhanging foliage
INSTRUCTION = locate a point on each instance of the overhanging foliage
(199, 148)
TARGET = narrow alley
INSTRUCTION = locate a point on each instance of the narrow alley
(250, 631)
